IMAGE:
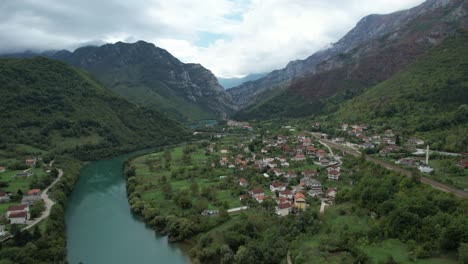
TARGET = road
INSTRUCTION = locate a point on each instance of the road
(435, 184)
(237, 209)
(48, 203)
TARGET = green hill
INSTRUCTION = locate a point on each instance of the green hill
(429, 98)
(51, 106)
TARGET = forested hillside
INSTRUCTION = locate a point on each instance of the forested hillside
(49, 105)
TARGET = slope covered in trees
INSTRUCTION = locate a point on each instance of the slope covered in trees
(51, 106)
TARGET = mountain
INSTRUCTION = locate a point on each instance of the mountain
(379, 47)
(429, 98)
(52, 106)
(228, 83)
(151, 76)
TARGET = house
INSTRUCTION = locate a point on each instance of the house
(31, 162)
(34, 192)
(30, 199)
(18, 214)
(277, 186)
(310, 183)
(306, 142)
(244, 197)
(286, 194)
(344, 127)
(309, 173)
(321, 153)
(260, 198)
(255, 192)
(224, 151)
(290, 174)
(299, 201)
(324, 162)
(389, 133)
(416, 141)
(463, 163)
(424, 168)
(283, 209)
(243, 182)
(2, 230)
(4, 197)
(334, 175)
(224, 161)
(389, 149)
(24, 174)
(331, 193)
(299, 157)
(2, 169)
(278, 172)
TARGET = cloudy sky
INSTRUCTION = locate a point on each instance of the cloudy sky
(230, 37)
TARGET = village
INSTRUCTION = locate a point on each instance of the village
(22, 201)
(409, 153)
(290, 170)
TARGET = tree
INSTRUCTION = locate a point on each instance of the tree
(37, 208)
(463, 253)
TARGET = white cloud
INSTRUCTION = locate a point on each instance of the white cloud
(258, 35)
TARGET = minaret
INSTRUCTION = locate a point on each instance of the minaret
(427, 155)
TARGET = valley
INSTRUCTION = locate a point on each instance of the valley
(114, 149)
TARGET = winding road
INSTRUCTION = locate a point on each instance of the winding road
(435, 184)
(48, 203)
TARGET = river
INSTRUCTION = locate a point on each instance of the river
(100, 226)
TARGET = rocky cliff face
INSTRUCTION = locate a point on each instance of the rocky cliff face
(151, 76)
(350, 73)
(368, 28)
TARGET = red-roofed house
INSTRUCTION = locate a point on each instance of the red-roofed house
(18, 214)
(299, 201)
(2, 169)
(299, 157)
(463, 163)
(309, 173)
(31, 162)
(36, 192)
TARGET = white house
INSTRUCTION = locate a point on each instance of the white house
(277, 186)
(18, 214)
(283, 209)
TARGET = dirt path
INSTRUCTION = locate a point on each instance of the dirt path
(48, 203)
(435, 184)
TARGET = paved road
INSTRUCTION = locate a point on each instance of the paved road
(48, 203)
(433, 183)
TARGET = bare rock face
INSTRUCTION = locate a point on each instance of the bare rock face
(151, 76)
(368, 28)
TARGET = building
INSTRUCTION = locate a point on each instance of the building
(30, 199)
(255, 192)
(309, 173)
(299, 157)
(315, 188)
(283, 209)
(18, 214)
(277, 186)
(4, 197)
(31, 162)
(2, 169)
(243, 182)
(299, 201)
(331, 193)
(35, 192)
(286, 194)
(334, 175)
